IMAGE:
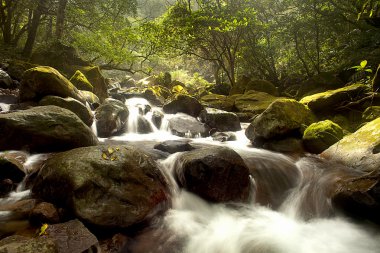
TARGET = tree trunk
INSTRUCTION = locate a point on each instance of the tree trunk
(60, 19)
(7, 13)
(32, 32)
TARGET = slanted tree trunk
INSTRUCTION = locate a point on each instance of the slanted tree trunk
(61, 13)
(32, 32)
(6, 21)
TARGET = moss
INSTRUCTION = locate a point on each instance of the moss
(321, 135)
(218, 101)
(371, 113)
(254, 102)
(81, 82)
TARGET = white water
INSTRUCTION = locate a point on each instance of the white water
(4, 107)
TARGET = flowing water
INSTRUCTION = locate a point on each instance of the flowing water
(291, 210)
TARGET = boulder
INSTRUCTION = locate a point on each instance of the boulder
(18, 243)
(11, 173)
(371, 113)
(218, 101)
(44, 129)
(186, 126)
(42, 81)
(217, 174)
(263, 86)
(157, 117)
(96, 78)
(16, 68)
(325, 101)
(174, 146)
(253, 102)
(360, 150)
(44, 213)
(80, 81)
(111, 117)
(282, 118)
(220, 120)
(108, 186)
(320, 83)
(6, 81)
(184, 104)
(321, 135)
(223, 136)
(290, 145)
(143, 125)
(90, 98)
(70, 104)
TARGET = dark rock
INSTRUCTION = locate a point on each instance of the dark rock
(218, 101)
(220, 120)
(44, 213)
(143, 125)
(157, 117)
(376, 80)
(217, 174)
(6, 186)
(70, 104)
(287, 145)
(186, 126)
(11, 168)
(106, 186)
(184, 104)
(18, 244)
(116, 244)
(44, 129)
(111, 117)
(320, 83)
(6, 81)
(174, 146)
(16, 68)
(371, 113)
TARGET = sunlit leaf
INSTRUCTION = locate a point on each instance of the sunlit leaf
(110, 150)
(363, 64)
(43, 229)
(104, 156)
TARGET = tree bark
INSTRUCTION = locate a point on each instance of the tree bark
(61, 13)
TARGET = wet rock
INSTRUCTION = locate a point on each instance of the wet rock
(90, 98)
(174, 146)
(44, 129)
(11, 168)
(111, 117)
(253, 102)
(157, 117)
(143, 125)
(70, 104)
(220, 120)
(186, 126)
(106, 186)
(18, 244)
(217, 174)
(223, 136)
(334, 98)
(44, 213)
(6, 81)
(116, 244)
(184, 104)
(286, 145)
(39, 82)
(283, 117)
(359, 150)
(19, 210)
(321, 135)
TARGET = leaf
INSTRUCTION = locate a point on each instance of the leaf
(368, 70)
(104, 156)
(363, 64)
(43, 229)
(113, 158)
(110, 150)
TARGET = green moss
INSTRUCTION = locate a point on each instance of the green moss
(371, 113)
(321, 135)
(81, 82)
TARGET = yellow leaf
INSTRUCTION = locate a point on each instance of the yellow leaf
(43, 229)
(104, 156)
(117, 149)
(110, 150)
(113, 158)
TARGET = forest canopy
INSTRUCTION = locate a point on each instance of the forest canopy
(221, 40)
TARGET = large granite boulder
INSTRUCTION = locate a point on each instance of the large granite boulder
(111, 117)
(107, 186)
(185, 104)
(43, 81)
(332, 99)
(281, 118)
(44, 129)
(220, 120)
(186, 126)
(360, 150)
(254, 102)
(217, 174)
(70, 104)
(321, 135)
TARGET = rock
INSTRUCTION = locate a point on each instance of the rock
(371, 113)
(254, 102)
(44, 129)
(174, 146)
(218, 101)
(217, 174)
(106, 186)
(186, 126)
(11, 168)
(282, 118)
(184, 104)
(39, 82)
(220, 120)
(18, 244)
(70, 104)
(263, 86)
(287, 145)
(111, 117)
(143, 125)
(128, 82)
(44, 213)
(359, 197)
(157, 117)
(320, 83)
(221, 88)
(223, 136)
(95, 77)
(80, 81)
(321, 135)
(6, 81)
(16, 68)
(116, 244)
(360, 150)
(90, 98)
(334, 98)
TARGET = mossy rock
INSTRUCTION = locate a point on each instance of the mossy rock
(360, 150)
(90, 98)
(321, 135)
(96, 78)
(282, 118)
(43, 81)
(216, 101)
(16, 68)
(325, 101)
(371, 113)
(263, 86)
(254, 102)
(80, 81)
(320, 83)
